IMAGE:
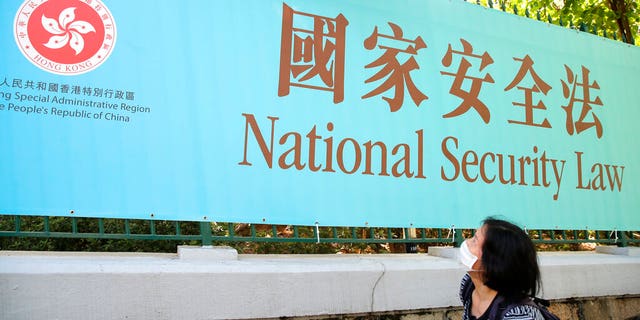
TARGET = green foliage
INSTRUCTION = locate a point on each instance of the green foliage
(594, 16)
(86, 234)
(111, 226)
(89, 233)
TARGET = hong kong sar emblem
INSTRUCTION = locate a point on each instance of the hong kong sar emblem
(66, 37)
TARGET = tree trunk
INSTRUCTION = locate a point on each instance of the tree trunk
(620, 7)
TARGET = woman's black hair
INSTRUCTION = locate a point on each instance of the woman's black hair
(509, 259)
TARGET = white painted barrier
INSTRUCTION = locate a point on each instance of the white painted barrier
(216, 283)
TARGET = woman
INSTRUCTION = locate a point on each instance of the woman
(503, 273)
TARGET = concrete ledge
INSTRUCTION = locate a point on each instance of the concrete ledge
(163, 286)
(444, 252)
(624, 251)
(209, 253)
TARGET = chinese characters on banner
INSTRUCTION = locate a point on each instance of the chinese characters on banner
(66, 88)
(538, 86)
(315, 59)
(309, 54)
(397, 74)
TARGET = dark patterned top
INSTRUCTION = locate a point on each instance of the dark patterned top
(518, 312)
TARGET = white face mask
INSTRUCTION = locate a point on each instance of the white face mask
(466, 257)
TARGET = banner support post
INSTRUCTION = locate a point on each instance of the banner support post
(205, 233)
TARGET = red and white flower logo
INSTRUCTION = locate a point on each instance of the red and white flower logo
(66, 28)
(66, 37)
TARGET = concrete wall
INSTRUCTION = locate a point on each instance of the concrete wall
(599, 308)
(209, 283)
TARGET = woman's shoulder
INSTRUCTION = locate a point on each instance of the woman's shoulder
(523, 312)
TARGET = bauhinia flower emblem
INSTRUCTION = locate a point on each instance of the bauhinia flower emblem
(66, 30)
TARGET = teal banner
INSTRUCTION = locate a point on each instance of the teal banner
(344, 113)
